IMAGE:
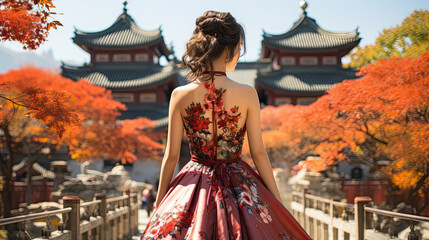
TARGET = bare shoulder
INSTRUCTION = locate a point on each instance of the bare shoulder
(247, 95)
(246, 90)
(180, 91)
(242, 86)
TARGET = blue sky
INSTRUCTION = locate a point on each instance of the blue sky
(177, 20)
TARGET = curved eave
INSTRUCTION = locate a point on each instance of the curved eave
(164, 49)
(303, 83)
(350, 46)
(283, 90)
(120, 79)
(156, 43)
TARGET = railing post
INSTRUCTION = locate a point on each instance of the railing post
(316, 228)
(360, 216)
(332, 208)
(103, 213)
(114, 222)
(73, 223)
(129, 226)
(304, 206)
(136, 219)
(331, 218)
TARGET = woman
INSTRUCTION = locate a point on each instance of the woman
(217, 195)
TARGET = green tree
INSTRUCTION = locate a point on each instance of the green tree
(410, 39)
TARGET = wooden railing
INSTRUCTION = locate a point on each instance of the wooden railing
(330, 219)
(104, 218)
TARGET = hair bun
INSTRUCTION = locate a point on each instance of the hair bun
(209, 25)
(214, 32)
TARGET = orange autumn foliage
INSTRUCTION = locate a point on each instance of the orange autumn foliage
(27, 21)
(48, 105)
(41, 110)
(384, 115)
(286, 136)
(98, 136)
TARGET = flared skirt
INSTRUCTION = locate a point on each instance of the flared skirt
(228, 201)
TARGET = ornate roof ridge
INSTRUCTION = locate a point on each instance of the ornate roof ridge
(124, 33)
(123, 19)
(306, 20)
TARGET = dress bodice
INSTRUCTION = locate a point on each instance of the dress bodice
(218, 139)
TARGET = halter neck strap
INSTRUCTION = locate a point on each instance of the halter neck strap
(215, 72)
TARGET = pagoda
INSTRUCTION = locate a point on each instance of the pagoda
(298, 66)
(125, 60)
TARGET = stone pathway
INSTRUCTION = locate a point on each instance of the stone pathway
(143, 220)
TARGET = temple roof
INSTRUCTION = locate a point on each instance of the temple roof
(306, 34)
(21, 167)
(120, 76)
(295, 79)
(303, 79)
(154, 111)
(123, 34)
(157, 112)
(244, 73)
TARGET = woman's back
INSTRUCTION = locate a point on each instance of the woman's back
(219, 196)
(230, 101)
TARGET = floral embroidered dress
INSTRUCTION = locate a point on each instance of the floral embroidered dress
(217, 195)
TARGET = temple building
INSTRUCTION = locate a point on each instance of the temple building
(125, 60)
(298, 66)
(295, 67)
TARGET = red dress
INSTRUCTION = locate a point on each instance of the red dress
(219, 196)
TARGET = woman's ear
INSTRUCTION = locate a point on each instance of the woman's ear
(226, 53)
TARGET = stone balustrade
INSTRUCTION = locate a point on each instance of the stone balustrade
(103, 218)
(325, 219)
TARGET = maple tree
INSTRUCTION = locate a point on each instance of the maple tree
(26, 21)
(410, 39)
(381, 117)
(43, 109)
(46, 105)
(99, 134)
(385, 115)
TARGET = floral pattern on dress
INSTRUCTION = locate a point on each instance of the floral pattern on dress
(229, 142)
(170, 223)
(244, 189)
(246, 194)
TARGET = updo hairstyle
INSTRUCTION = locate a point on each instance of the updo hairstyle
(214, 32)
